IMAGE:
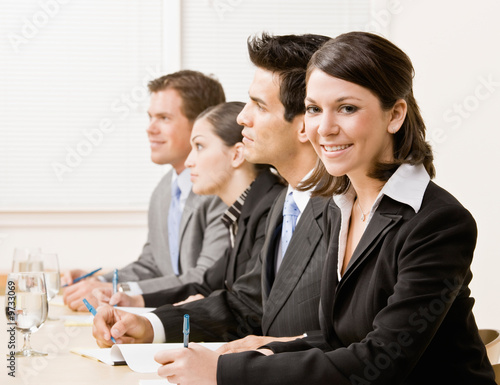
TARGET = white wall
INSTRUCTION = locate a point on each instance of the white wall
(454, 49)
(81, 238)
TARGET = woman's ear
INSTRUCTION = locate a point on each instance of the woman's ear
(238, 157)
(397, 117)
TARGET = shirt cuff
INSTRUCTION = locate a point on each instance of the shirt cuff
(135, 289)
(158, 329)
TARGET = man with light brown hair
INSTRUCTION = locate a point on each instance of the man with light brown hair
(185, 234)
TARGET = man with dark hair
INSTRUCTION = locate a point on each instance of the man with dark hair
(185, 234)
(280, 296)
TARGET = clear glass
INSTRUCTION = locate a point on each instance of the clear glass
(26, 306)
(22, 260)
(50, 267)
(27, 260)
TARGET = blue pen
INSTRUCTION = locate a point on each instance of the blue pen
(115, 281)
(185, 330)
(84, 276)
(92, 310)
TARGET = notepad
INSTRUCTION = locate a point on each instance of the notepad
(138, 357)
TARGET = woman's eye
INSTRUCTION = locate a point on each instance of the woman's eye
(313, 110)
(348, 109)
(198, 147)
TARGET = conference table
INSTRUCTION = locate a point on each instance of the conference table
(61, 366)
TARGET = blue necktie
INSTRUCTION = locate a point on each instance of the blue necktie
(174, 224)
(290, 215)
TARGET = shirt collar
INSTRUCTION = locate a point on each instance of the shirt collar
(184, 183)
(301, 198)
(407, 185)
(232, 214)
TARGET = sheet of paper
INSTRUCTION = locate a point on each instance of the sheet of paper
(77, 319)
(139, 357)
(136, 310)
(57, 301)
(154, 382)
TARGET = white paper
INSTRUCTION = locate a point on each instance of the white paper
(77, 320)
(139, 357)
(136, 310)
(154, 382)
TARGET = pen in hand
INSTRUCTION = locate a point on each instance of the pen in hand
(185, 330)
(93, 311)
(115, 281)
(83, 277)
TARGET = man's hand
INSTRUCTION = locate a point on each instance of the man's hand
(74, 294)
(191, 298)
(196, 365)
(124, 327)
(252, 343)
(105, 296)
(70, 275)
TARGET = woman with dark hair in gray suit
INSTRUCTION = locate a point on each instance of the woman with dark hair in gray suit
(395, 303)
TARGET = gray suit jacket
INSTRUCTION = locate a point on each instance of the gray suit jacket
(290, 308)
(203, 239)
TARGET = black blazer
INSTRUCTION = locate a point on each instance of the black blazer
(291, 306)
(401, 314)
(239, 259)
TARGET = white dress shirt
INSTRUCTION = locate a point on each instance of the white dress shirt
(407, 185)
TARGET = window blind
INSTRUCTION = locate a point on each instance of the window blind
(73, 102)
(214, 33)
(73, 90)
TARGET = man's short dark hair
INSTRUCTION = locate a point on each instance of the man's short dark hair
(197, 90)
(286, 55)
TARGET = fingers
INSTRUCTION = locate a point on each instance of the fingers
(101, 295)
(103, 321)
(168, 369)
(74, 294)
(224, 349)
(120, 299)
(191, 298)
(134, 326)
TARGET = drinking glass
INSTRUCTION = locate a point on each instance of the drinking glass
(50, 267)
(26, 306)
(23, 260)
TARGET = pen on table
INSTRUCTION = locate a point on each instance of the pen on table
(83, 276)
(185, 330)
(93, 311)
(115, 281)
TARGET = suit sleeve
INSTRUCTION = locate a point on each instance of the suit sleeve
(213, 280)
(434, 256)
(214, 245)
(222, 316)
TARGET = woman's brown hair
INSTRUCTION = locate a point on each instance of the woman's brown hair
(378, 65)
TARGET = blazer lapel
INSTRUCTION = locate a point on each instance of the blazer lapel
(383, 220)
(269, 249)
(300, 250)
(242, 229)
(164, 205)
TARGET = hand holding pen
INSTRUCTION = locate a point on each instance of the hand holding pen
(83, 277)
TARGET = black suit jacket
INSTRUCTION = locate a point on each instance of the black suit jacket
(401, 314)
(289, 308)
(239, 259)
